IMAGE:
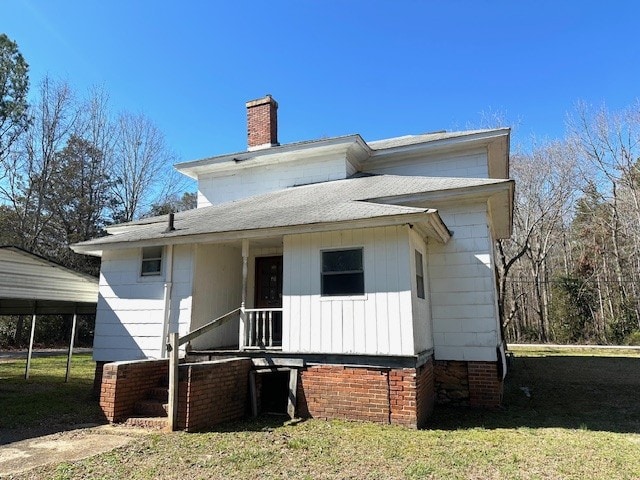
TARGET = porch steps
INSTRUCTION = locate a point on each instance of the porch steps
(151, 408)
(152, 411)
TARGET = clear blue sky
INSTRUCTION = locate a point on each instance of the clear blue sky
(380, 69)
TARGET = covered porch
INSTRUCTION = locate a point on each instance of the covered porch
(237, 296)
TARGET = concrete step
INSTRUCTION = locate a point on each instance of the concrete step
(151, 408)
(155, 423)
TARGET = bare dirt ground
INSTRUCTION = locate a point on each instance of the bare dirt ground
(69, 446)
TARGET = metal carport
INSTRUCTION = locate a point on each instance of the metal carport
(32, 285)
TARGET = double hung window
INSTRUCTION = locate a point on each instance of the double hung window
(342, 272)
(151, 261)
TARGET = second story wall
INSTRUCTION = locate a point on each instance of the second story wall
(222, 187)
(468, 164)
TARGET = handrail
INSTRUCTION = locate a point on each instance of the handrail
(209, 326)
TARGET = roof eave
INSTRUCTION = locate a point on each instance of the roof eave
(270, 155)
(433, 226)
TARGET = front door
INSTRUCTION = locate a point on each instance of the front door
(268, 282)
(269, 296)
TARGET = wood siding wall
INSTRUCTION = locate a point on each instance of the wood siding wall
(217, 290)
(246, 182)
(130, 312)
(421, 308)
(473, 165)
(379, 322)
(463, 288)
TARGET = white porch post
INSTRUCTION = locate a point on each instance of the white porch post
(243, 303)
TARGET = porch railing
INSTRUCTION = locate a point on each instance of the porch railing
(263, 328)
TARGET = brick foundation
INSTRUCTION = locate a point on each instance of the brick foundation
(213, 392)
(468, 383)
(485, 384)
(397, 396)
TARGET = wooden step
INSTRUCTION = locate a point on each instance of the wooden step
(151, 408)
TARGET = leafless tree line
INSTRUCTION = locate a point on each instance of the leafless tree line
(571, 271)
(78, 167)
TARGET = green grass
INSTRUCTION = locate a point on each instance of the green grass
(580, 420)
(44, 400)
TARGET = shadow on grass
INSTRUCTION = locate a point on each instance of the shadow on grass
(262, 423)
(44, 405)
(574, 392)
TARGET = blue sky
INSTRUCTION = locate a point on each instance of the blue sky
(381, 69)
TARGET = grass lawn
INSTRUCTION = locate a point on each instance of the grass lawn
(566, 416)
(45, 401)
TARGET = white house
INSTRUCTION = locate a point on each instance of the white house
(340, 252)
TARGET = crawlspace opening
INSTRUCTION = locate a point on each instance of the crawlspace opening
(274, 392)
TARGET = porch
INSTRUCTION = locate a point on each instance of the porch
(245, 280)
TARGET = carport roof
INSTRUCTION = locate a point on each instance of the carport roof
(30, 284)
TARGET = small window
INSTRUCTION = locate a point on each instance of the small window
(342, 272)
(419, 275)
(151, 261)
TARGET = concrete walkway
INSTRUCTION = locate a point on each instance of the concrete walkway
(69, 446)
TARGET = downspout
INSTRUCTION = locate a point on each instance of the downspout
(167, 302)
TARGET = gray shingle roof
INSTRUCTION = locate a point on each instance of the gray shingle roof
(327, 202)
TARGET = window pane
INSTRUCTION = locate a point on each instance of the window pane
(420, 283)
(151, 267)
(419, 275)
(151, 252)
(343, 284)
(342, 260)
(419, 263)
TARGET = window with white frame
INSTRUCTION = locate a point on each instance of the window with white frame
(342, 272)
(419, 275)
(151, 261)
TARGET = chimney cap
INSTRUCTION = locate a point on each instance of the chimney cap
(261, 101)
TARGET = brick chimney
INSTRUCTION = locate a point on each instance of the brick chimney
(262, 123)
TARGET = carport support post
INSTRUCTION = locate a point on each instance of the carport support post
(73, 336)
(173, 380)
(33, 332)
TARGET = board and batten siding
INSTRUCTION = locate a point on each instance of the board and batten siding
(378, 322)
(217, 290)
(468, 165)
(422, 331)
(461, 276)
(218, 188)
(130, 312)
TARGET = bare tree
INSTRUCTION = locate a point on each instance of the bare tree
(34, 166)
(142, 167)
(545, 190)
